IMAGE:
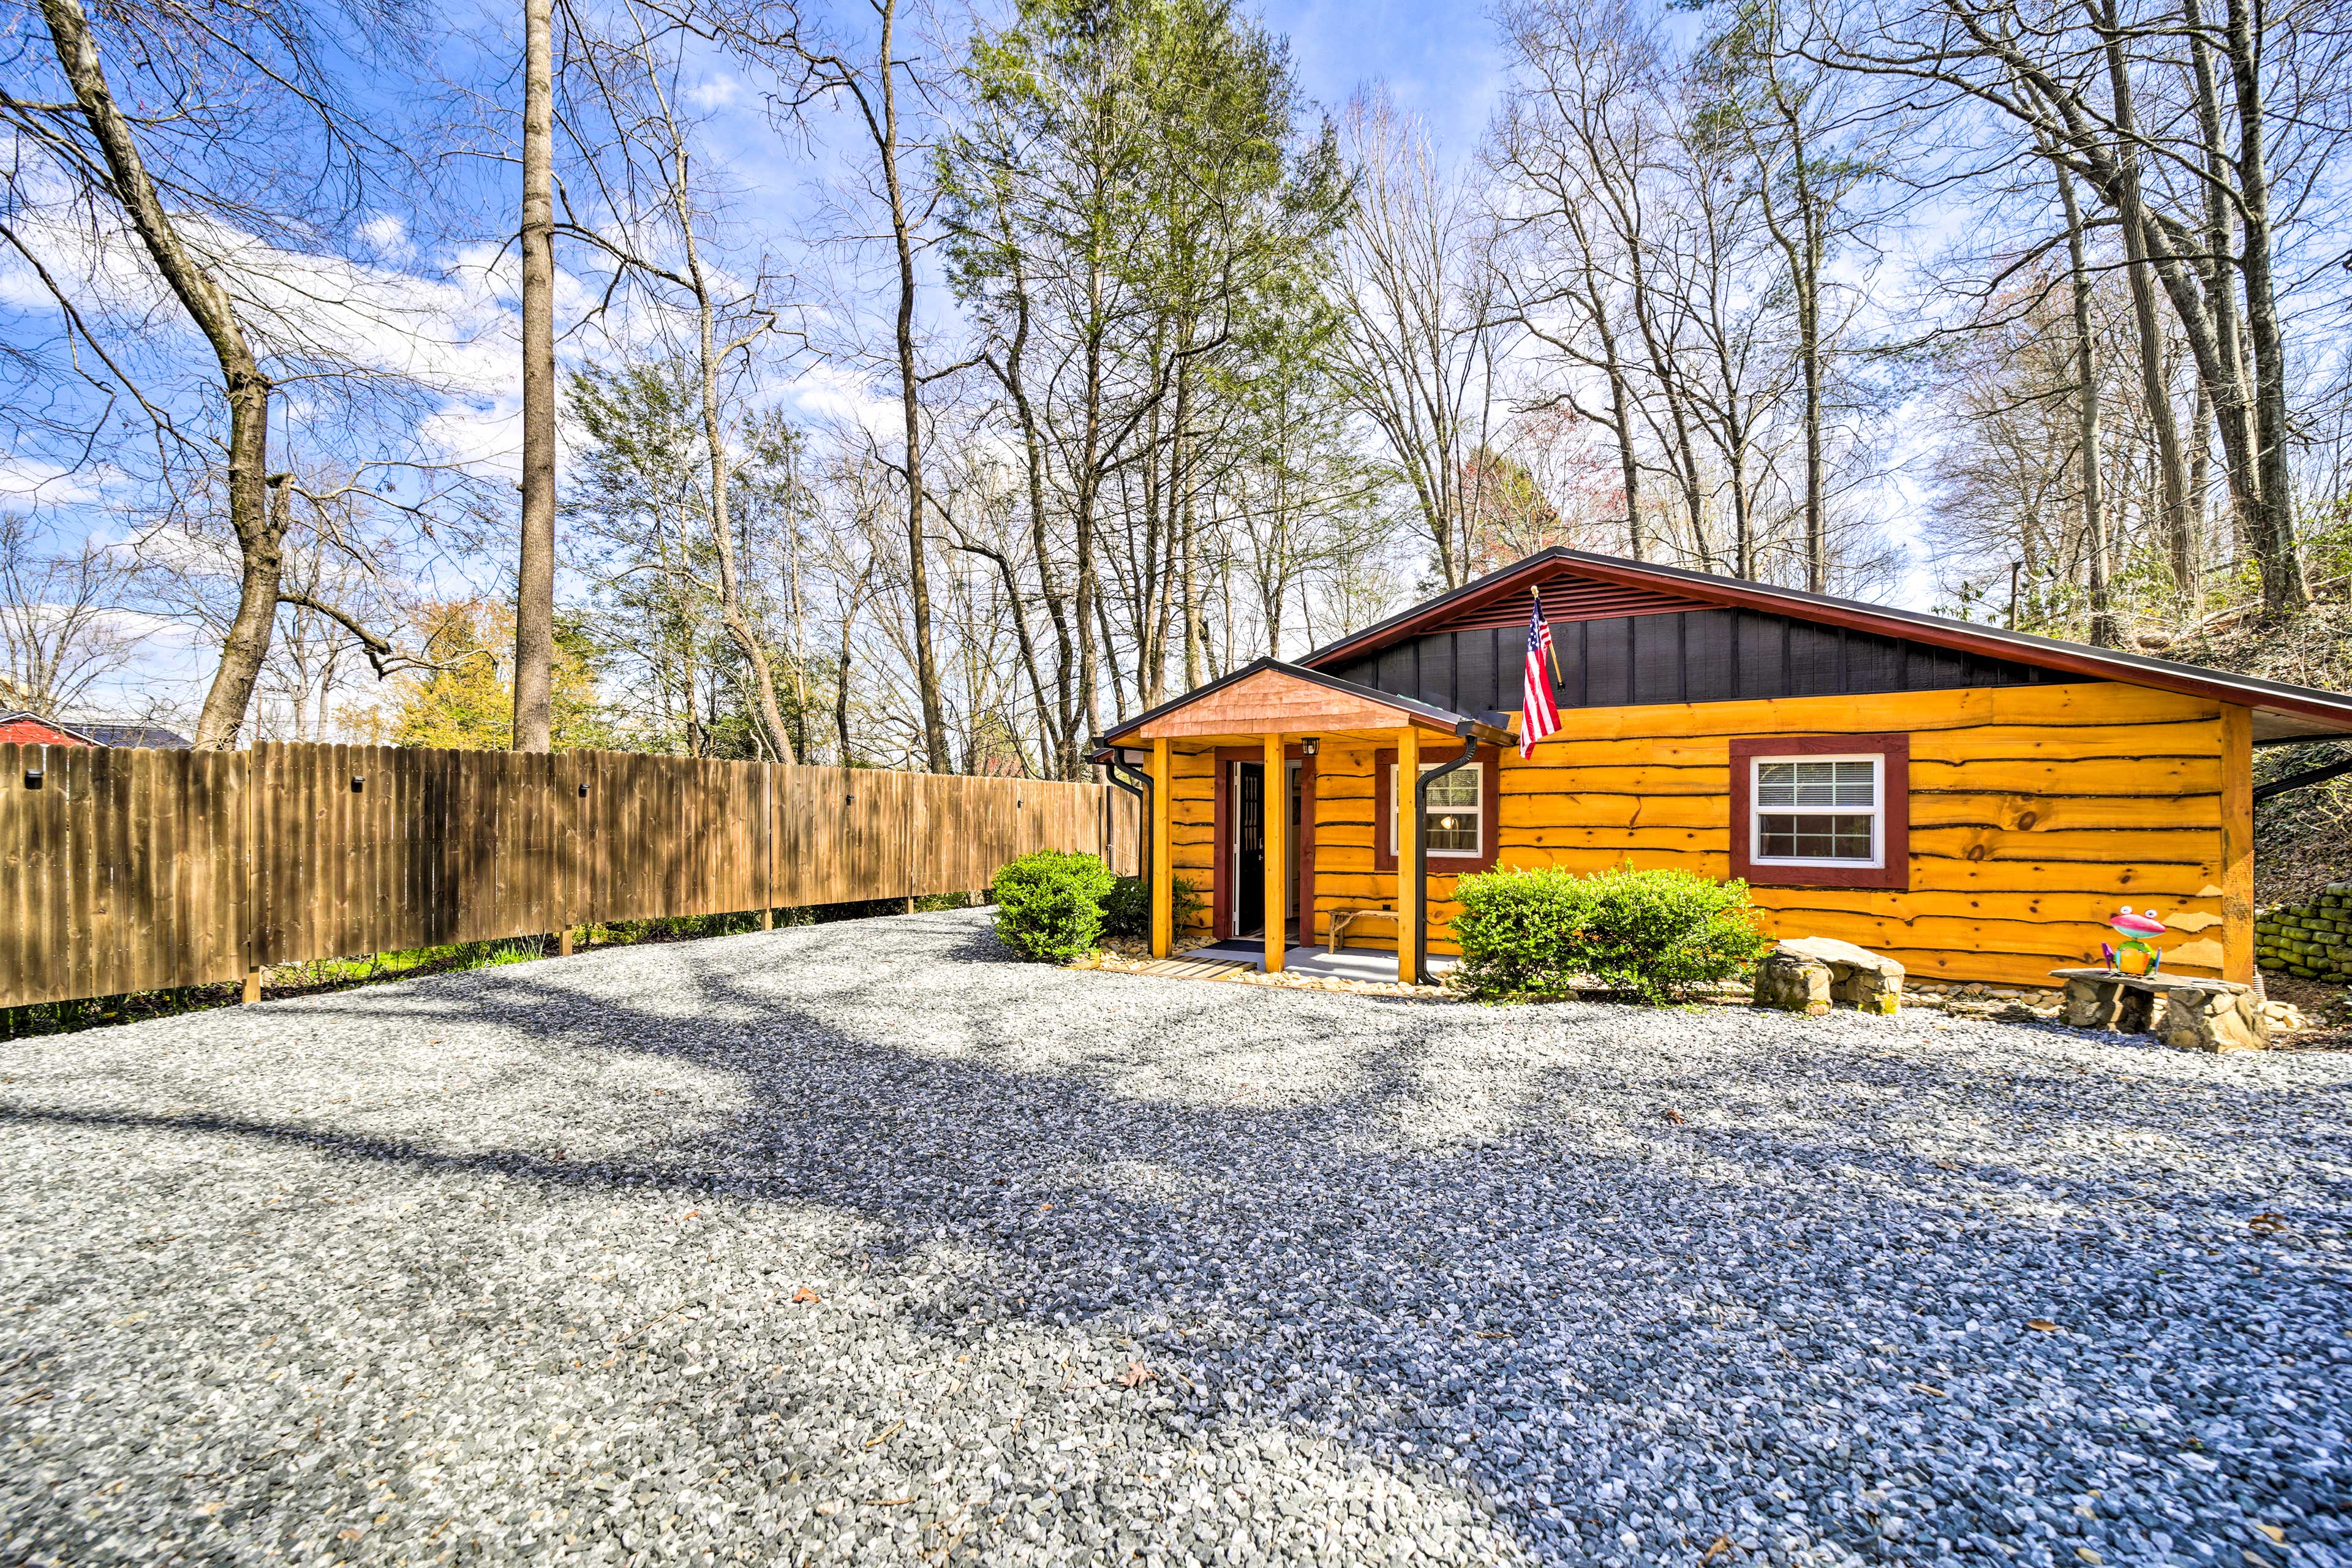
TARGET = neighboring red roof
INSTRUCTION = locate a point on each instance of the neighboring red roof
(2284, 711)
(31, 729)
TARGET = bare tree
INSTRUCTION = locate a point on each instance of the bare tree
(1414, 302)
(67, 621)
(534, 658)
(1571, 148)
(669, 223)
(243, 245)
(246, 390)
(875, 75)
(2086, 401)
(2062, 82)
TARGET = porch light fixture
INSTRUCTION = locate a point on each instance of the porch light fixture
(1307, 747)
(358, 783)
(32, 778)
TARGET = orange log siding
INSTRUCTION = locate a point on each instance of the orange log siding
(2034, 812)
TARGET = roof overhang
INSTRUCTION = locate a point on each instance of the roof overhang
(1271, 698)
(2282, 712)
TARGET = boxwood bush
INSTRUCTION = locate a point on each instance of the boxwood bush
(1049, 905)
(1650, 935)
(1127, 912)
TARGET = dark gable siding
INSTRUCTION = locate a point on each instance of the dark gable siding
(1689, 656)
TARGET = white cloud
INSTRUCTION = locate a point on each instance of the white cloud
(715, 91)
(825, 393)
(387, 235)
(28, 482)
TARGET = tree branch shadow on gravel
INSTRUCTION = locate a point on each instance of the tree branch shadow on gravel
(1255, 1238)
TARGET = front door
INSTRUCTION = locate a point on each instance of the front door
(1249, 847)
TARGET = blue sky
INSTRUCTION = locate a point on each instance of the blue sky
(1440, 60)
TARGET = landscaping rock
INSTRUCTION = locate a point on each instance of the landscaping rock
(1792, 983)
(1859, 978)
(2195, 1019)
(2185, 1011)
(2093, 1002)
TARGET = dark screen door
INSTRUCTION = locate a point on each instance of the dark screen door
(1249, 847)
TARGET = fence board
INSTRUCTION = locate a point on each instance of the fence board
(133, 871)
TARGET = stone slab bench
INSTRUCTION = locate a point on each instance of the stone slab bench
(2186, 1012)
(1808, 975)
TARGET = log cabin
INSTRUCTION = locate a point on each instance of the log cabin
(1972, 801)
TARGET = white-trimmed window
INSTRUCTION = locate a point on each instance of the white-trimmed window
(1456, 801)
(1818, 810)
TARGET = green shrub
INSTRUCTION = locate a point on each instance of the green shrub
(1049, 905)
(1127, 912)
(1647, 935)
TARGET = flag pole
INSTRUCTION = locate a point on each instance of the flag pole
(1550, 653)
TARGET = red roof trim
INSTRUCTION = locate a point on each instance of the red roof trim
(1733, 592)
(2088, 662)
(1567, 598)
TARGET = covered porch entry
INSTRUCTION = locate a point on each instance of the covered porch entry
(1230, 773)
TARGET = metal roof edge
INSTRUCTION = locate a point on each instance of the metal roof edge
(1109, 734)
(1967, 635)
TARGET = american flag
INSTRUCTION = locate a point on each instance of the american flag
(1542, 716)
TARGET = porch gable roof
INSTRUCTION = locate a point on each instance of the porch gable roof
(1269, 697)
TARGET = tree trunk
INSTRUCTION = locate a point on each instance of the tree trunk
(259, 526)
(919, 581)
(534, 671)
(2284, 590)
(2171, 469)
(1064, 738)
(2094, 523)
(1804, 250)
(841, 697)
(732, 614)
(2201, 458)
(2231, 402)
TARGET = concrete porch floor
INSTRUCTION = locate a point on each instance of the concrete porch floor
(1348, 963)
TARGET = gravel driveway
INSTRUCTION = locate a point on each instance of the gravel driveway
(855, 1242)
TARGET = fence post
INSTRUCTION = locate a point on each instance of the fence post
(251, 935)
(767, 874)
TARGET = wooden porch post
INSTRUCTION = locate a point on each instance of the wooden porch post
(1411, 935)
(1164, 914)
(2237, 844)
(1277, 797)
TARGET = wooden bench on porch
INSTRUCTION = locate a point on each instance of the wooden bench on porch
(1342, 918)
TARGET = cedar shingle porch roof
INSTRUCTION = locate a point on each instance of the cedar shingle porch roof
(1269, 697)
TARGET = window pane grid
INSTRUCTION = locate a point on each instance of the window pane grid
(1840, 838)
(1815, 783)
(1821, 811)
(1458, 798)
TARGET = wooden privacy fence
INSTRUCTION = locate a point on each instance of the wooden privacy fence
(133, 871)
